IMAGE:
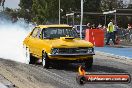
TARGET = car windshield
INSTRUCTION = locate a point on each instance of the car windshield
(60, 32)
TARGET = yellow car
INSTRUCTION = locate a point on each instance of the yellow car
(57, 43)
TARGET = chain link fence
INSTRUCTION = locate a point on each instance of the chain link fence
(125, 36)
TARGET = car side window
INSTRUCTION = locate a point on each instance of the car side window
(36, 33)
(39, 33)
(43, 33)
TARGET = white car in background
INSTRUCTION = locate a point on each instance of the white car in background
(84, 27)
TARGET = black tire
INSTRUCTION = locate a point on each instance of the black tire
(45, 60)
(29, 58)
(89, 63)
(32, 60)
(58, 64)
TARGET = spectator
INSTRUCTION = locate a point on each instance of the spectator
(115, 30)
(99, 26)
(129, 27)
(116, 37)
(110, 33)
(93, 26)
(88, 25)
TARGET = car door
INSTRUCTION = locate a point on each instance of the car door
(33, 40)
(38, 43)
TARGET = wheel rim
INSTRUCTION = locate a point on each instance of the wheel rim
(43, 61)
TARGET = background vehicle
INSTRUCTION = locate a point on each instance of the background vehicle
(57, 43)
(84, 27)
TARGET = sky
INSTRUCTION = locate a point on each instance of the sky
(12, 3)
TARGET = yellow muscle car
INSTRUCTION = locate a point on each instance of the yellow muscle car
(57, 43)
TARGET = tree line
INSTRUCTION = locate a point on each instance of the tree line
(47, 11)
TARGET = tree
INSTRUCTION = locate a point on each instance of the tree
(25, 10)
(129, 6)
(107, 5)
(44, 10)
(75, 6)
(130, 17)
(92, 5)
(26, 4)
(2, 2)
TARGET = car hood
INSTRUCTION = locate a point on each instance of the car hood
(68, 43)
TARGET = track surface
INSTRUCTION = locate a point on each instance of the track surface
(117, 50)
(34, 76)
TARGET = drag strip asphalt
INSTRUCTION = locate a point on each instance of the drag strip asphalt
(35, 76)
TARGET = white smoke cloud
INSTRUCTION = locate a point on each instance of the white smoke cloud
(11, 39)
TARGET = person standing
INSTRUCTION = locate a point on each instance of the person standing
(110, 33)
(100, 26)
(129, 27)
(88, 26)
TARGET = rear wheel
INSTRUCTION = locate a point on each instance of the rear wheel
(29, 58)
(27, 55)
(32, 60)
(45, 60)
(89, 63)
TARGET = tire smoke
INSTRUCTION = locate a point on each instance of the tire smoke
(11, 39)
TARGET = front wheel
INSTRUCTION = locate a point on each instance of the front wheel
(45, 60)
(89, 63)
